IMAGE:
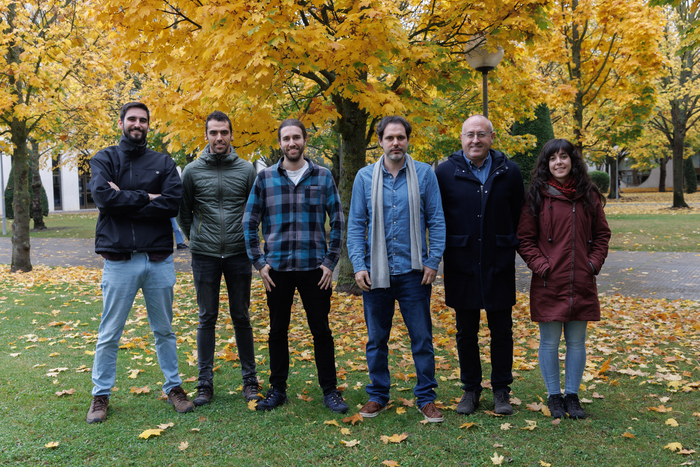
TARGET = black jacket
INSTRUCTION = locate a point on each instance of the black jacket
(481, 222)
(129, 221)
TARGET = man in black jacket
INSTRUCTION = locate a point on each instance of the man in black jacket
(482, 194)
(137, 191)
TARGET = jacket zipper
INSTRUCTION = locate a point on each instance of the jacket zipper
(481, 221)
(573, 257)
(131, 186)
(221, 206)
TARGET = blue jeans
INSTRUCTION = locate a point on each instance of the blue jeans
(179, 238)
(575, 361)
(207, 272)
(121, 280)
(414, 302)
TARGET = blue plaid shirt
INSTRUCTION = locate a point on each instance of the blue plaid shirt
(293, 220)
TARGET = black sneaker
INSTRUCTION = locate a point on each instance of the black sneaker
(555, 404)
(251, 389)
(469, 403)
(182, 246)
(334, 401)
(205, 393)
(573, 406)
(501, 400)
(274, 398)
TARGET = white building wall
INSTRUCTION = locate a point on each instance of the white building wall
(70, 193)
(6, 162)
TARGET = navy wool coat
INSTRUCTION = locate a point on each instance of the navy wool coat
(481, 222)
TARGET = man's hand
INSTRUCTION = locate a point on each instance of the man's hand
(113, 185)
(429, 275)
(327, 278)
(363, 280)
(152, 196)
(267, 281)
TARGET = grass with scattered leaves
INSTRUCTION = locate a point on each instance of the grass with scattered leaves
(642, 378)
(73, 225)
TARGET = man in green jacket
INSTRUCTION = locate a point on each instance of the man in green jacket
(215, 192)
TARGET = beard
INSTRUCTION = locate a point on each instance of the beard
(396, 157)
(295, 158)
(138, 141)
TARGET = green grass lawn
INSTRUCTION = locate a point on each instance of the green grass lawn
(655, 232)
(643, 355)
(78, 225)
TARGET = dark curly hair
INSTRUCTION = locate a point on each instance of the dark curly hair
(540, 175)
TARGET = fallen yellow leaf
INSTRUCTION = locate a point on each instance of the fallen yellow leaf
(65, 392)
(184, 445)
(545, 464)
(673, 446)
(252, 404)
(152, 432)
(52, 445)
(686, 452)
(672, 422)
(627, 434)
(137, 390)
(468, 425)
(395, 438)
(390, 463)
(531, 425)
(400, 410)
(506, 426)
(165, 426)
(350, 443)
(331, 422)
(345, 431)
(496, 459)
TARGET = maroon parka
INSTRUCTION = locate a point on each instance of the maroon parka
(565, 246)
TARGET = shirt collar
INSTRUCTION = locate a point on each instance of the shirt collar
(473, 166)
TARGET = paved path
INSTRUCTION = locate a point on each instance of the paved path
(641, 274)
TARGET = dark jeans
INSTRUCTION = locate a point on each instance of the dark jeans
(414, 303)
(500, 323)
(207, 271)
(317, 304)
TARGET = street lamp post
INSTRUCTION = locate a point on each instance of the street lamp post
(484, 60)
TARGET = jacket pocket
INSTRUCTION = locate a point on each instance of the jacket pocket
(507, 241)
(457, 257)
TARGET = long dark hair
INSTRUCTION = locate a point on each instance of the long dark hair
(540, 175)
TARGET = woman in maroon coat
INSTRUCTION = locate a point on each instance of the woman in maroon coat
(564, 240)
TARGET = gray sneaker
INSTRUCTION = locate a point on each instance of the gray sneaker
(501, 400)
(469, 403)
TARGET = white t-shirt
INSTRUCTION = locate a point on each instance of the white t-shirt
(295, 176)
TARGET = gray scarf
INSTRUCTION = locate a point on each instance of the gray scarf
(379, 261)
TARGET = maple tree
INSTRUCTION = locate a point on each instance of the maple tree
(678, 109)
(595, 62)
(341, 64)
(51, 76)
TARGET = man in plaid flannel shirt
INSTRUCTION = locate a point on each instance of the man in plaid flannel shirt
(291, 199)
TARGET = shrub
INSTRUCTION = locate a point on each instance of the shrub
(690, 179)
(601, 179)
(10, 196)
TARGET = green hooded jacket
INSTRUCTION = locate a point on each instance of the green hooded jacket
(215, 190)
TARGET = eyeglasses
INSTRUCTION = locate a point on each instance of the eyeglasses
(480, 135)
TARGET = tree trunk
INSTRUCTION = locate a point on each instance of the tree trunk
(21, 260)
(575, 75)
(37, 208)
(614, 183)
(352, 127)
(678, 143)
(662, 174)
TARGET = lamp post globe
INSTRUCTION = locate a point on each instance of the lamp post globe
(484, 59)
